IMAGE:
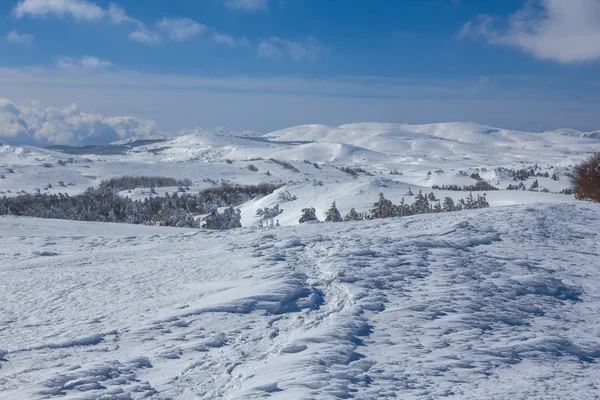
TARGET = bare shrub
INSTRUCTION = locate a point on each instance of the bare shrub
(586, 179)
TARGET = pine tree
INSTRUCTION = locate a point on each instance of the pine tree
(534, 185)
(308, 214)
(448, 204)
(481, 202)
(353, 216)
(333, 215)
(421, 204)
(470, 202)
(383, 208)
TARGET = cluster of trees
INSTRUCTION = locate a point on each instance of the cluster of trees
(384, 208)
(284, 164)
(479, 186)
(105, 205)
(269, 213)
(355, 171)
(131, 182)
(525, 173)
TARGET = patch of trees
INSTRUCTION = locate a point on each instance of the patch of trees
(424, 204)
(132, 182)
(479, 186)
(524, 173)
(586, 179)
(105, 205)
(354, 171)
(285, 164)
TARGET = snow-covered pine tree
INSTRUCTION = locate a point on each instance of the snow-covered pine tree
(402, 209)
(481, 202)
(333, 215)
(421, 204)
(232, 218)
(308, 214)
(448, 204)
(469, 202)
(383, 208)
(353, 216)
(214, 220)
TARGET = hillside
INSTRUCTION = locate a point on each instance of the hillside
(388, 158)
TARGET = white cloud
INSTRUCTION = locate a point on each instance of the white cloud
(32, 123)
(228, 40)
(558, 30)
(143, 35)
(19, 38)
(269, 50)
(83, 10)
(78, 9)
(117, 15)
(85, 62)
(180, 29)
(248, 5)
(309, 49)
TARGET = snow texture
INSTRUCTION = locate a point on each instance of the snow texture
(496, 303)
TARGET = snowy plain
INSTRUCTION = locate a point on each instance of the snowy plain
(499, 303)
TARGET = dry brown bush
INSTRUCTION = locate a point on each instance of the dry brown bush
(586, 179)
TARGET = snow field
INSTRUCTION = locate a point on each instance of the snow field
(496, 303)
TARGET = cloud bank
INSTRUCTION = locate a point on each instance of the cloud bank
(34, 124)
(567, 31)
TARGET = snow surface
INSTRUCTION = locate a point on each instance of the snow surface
(501, 303)
(497, 303)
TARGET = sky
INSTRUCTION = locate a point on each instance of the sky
(83, 71)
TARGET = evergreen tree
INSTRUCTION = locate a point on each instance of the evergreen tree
(481, 202)
(308, 214)
(353, 216)
(448, 204)
(333, 215)
(470, 202)
(421, 204)
(383, 208)
(534, 185)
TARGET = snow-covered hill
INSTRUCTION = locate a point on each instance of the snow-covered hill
(419, 156)
(498, 303)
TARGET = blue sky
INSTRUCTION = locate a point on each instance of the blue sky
(268, 64)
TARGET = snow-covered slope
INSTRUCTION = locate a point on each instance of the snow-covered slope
(497, 303)
(420, 156)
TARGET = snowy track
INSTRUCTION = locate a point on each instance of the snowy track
(501, 303)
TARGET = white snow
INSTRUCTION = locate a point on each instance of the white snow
(500, 303)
